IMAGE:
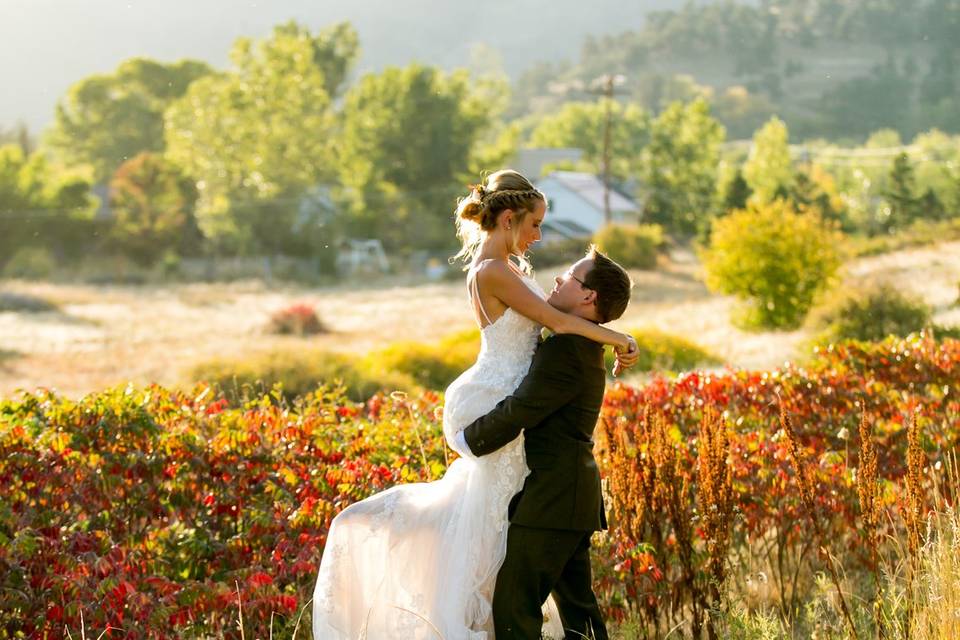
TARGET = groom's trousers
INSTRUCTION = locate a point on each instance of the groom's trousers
(540, 562)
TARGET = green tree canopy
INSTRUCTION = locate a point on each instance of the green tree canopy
(107, 119)
(901, 195)
(408, 138)
(258, 135)
(581, 125)
(679, 168)
(40, 207)
(769, 170)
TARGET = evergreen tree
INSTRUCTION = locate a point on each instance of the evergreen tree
(900, 194)
(929, 206)
(736, 193)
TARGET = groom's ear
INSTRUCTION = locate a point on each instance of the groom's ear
(590, 297)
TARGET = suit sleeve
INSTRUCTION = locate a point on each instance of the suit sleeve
(553, 380)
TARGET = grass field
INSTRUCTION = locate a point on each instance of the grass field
(99, 336)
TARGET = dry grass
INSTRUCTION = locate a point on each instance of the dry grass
(106, 335)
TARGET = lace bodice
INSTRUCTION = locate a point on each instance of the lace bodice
(506, 349)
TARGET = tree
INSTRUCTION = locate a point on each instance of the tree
(930, 207)
(678, 170)
(815, 190)
(20, 135)
(900, 194)
(152, 204)
(408, 138)
(736, 193)
(884, 139)
(106, 119)
(773, 258)
(40, 208)
(257, 136)
(769, 170)
(580, 125)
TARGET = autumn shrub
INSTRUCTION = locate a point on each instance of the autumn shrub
(872, 313)
(158, 512)
(772, 532)
(433, 365)
(297, 319)
(632, 246)
(298, 372)
(774, 259)
(665, 352)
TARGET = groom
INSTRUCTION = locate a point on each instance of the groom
(560, 505)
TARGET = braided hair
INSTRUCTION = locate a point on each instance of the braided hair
(478, 213)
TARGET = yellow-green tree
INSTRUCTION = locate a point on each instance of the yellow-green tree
(257, 136)
(774, 259)
(769, 170)
(679, 169)
(580, 125)
(408, 136)
(40, 207)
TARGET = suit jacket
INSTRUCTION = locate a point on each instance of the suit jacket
(556, 406)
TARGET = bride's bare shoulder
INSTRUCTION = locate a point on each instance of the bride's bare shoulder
(496, 271)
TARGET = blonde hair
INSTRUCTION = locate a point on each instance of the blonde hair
(477, 214)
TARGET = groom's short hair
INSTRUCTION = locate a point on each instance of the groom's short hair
(611, 282)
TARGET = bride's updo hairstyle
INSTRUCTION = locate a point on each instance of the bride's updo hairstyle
(477, 214)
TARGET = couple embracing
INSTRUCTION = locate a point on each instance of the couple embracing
(499, 547)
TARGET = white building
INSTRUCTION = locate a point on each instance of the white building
(575, 205)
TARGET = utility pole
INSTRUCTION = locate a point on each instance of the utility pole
(607, 83)
(604, 86)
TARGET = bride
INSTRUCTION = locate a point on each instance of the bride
(419, 561)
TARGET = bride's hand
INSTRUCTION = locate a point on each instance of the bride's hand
(626, 358)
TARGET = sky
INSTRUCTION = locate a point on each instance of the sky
(47, 45)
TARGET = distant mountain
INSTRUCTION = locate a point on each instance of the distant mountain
(46, 45)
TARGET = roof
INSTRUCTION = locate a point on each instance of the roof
(567, 228)
(590, 188)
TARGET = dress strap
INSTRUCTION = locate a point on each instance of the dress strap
(475, 294)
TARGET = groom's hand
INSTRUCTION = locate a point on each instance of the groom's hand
(626, 358)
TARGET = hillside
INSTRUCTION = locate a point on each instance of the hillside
(830, 68)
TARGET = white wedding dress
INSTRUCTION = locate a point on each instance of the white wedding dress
(419, 561)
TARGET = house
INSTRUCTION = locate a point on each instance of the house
(575, 205)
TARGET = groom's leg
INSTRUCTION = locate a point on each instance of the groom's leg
(573, 593)
(534, 562)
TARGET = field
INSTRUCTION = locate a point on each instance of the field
(106, 335)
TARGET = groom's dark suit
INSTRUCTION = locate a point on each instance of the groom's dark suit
(560, 505)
